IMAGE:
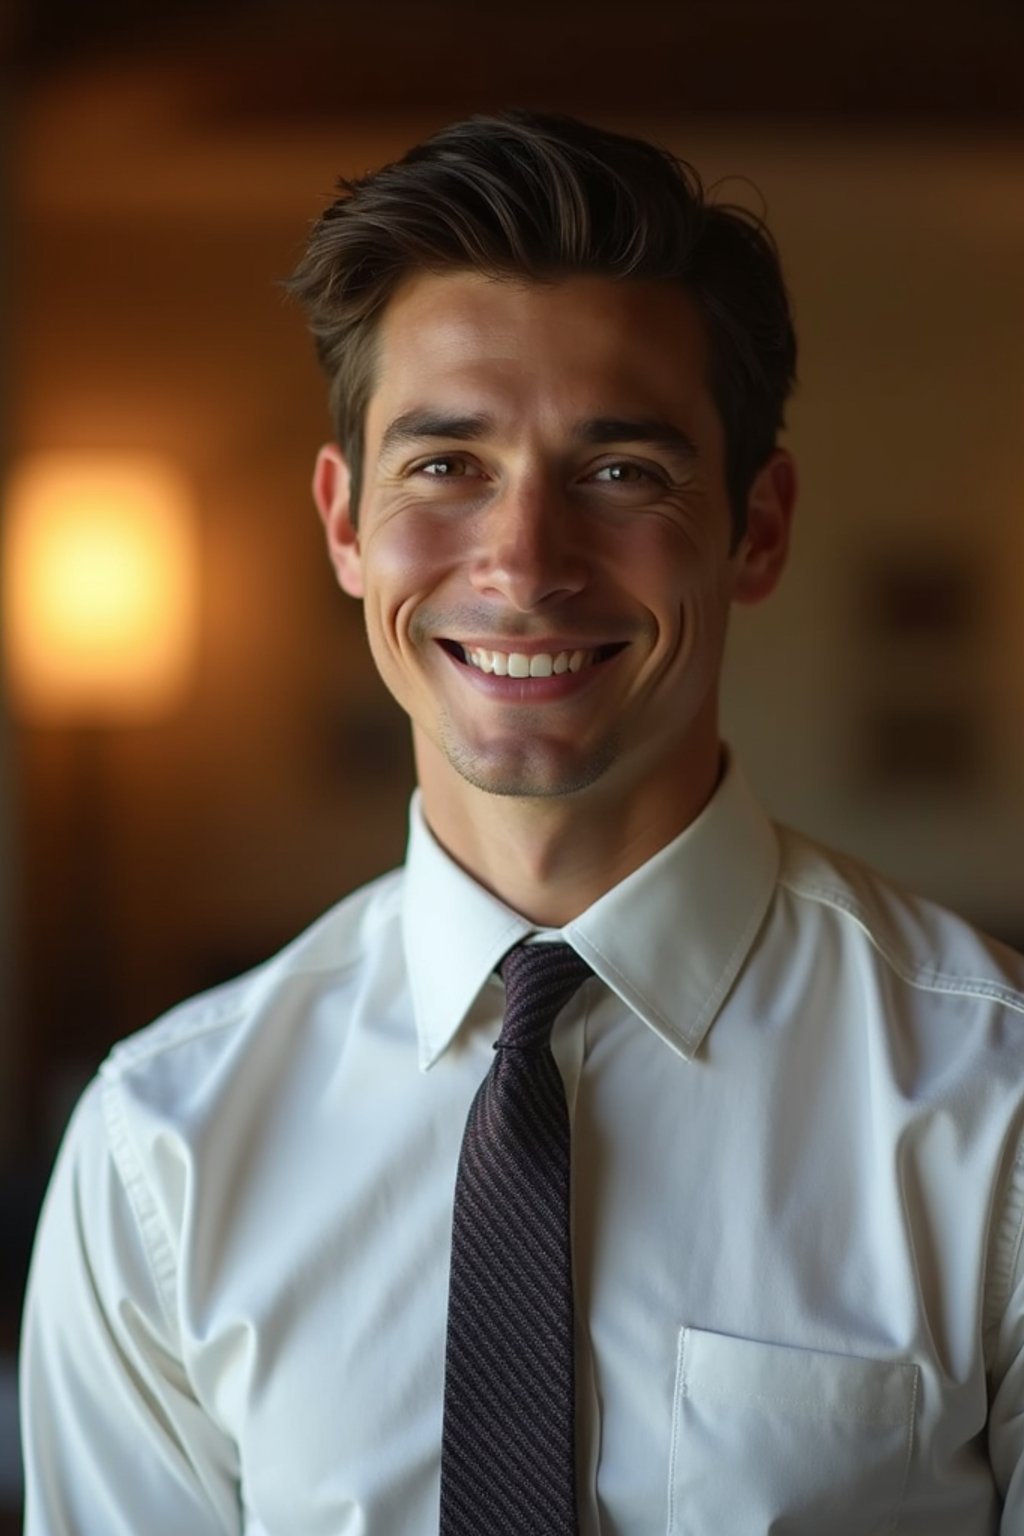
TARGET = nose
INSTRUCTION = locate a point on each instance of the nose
(529, 548)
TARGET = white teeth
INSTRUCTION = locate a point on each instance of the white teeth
(517, 664)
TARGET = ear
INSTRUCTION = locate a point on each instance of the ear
(332, 494)
(761, 556)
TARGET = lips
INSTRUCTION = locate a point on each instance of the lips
(519, 664)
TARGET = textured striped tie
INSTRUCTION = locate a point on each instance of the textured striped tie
(507, 1460)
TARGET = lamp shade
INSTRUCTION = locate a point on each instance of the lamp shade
(99, 587)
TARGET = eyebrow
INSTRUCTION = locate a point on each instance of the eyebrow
(645, 429)
(416, 426)
(422, 425)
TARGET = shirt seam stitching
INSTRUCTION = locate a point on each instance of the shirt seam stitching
(897, 1515)
(925, 979)
(673, 1457)
(996, 1297)
(150, 1227)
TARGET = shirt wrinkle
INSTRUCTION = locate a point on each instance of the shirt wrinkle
(1006, 1247)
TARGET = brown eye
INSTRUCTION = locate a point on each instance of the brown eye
(446, 467)
(624, 472)
(620, 472)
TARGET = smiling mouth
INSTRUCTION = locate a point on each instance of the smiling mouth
(538, 664)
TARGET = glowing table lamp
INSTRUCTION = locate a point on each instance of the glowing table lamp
(99, 593)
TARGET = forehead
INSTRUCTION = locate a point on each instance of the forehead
(583, 346)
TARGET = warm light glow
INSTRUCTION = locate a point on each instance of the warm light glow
(99, 589)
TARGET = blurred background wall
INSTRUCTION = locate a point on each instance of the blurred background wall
(158, 170)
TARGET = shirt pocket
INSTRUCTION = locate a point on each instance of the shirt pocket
(792, 1442)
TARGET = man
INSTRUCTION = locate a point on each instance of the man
(786, 1294)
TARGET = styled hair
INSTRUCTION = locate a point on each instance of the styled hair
(531, 196)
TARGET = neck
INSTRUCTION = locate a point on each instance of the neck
(549, 859)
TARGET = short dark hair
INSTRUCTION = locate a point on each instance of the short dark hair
(532, 196)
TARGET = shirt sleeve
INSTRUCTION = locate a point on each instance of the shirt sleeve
(1005, 1352)
(115, 1442)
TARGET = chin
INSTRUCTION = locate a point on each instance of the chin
(528, 772)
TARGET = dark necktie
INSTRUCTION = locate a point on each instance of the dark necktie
(507, 1461)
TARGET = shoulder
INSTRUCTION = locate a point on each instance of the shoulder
(225, 1088)
(919, 944)
(272, 1004)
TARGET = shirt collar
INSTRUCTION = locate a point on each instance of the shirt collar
(669, 939)
(454, 933)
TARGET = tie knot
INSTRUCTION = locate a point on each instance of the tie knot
(539, 981)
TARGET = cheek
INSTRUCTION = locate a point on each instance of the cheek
(671, 574)
(403, 562)
(687, 593)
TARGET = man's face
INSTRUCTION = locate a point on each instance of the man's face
(543, 547)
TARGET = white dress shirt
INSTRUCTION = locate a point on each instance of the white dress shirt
(797, 1103)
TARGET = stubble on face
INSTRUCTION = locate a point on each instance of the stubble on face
(526, 768)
